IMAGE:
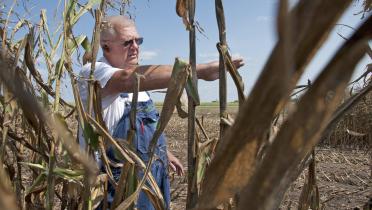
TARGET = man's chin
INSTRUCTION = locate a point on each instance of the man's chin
(130, 64)
(132, 61)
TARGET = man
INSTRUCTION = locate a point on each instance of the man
(120, 42)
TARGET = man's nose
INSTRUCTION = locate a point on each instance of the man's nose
(134, 44)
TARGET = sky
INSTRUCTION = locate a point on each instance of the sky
(250, 34)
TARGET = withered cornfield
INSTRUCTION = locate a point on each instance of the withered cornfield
(267, 152)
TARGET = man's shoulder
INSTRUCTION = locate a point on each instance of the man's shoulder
(85, 68)
(100, 65)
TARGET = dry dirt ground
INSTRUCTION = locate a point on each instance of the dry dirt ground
(343, 175)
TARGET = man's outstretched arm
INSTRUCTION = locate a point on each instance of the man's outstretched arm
(158, 76)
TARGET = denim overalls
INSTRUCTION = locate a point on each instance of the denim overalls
(146, 121)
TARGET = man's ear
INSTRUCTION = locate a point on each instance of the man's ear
(105, 48)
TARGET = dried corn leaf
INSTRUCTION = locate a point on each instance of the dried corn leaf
(74, 42)
(4, 29)
(29, 60)
(39, 179)
(182, 11)
(70, 175)
(182, 106)
(46, 55)
(16, 27)
(127, 153)
(128, 178)
(156, 202)
(7, 199)
(87, 57)
(192, 91)
(256, 114)
(88, 6)
(17, 85)
(309, 197)
(354, 133)
(177, 83)
(43, 19)
(233, 72)
(98, 191)
(303, 129)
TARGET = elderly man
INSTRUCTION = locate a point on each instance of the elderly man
(120, 43)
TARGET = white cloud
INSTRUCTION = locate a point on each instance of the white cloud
(148, 55)
(264, 18)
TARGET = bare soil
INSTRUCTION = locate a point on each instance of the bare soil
(343, 175)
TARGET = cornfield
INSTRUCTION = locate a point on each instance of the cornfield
(354, 127)
(246, 164)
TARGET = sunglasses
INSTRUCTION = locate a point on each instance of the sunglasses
(128, 43)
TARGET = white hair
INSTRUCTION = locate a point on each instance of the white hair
(110, 25)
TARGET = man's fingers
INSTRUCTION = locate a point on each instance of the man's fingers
(175, 164)
(180, 169)
(239, 62)
(179, 172)
(177, 167)
(173, 167)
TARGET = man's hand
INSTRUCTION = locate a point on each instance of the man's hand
(210, 71)
(175, 164)
(158, 76)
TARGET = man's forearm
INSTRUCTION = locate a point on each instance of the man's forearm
(155, 77)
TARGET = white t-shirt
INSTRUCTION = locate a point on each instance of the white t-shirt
(112, 105)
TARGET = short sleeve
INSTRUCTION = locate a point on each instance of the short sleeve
(102, 73)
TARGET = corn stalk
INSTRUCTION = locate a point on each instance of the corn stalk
(222, 81)
(303, 129)
(18, 85)
(252, 121)
(192, 190)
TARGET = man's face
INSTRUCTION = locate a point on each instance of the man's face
(124, 48)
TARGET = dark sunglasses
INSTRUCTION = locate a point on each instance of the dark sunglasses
(128, 43)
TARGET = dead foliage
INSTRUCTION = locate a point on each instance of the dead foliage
(234, 166)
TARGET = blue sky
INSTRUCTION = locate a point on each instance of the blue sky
(250, 34)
